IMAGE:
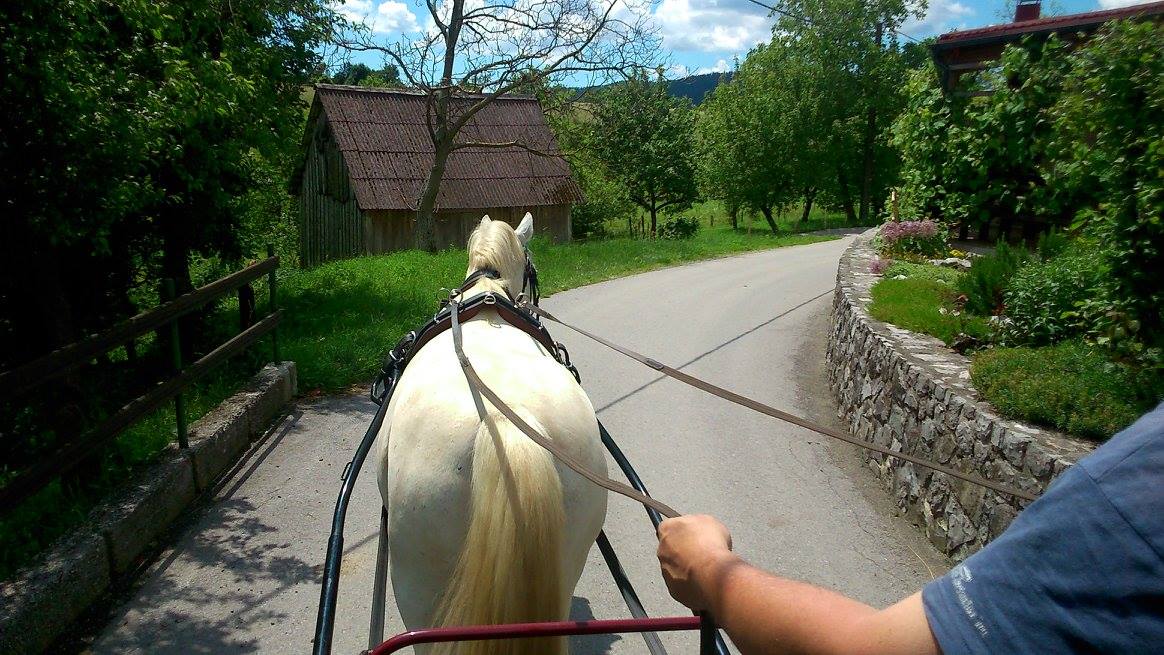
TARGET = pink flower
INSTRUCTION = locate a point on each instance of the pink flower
(878, 266)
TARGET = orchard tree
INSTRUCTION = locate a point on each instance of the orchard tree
(645, 138)
(759, 139)
(474, 53)
(853, 46)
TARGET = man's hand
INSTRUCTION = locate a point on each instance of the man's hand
(691, 550)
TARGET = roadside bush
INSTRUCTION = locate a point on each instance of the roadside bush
(1042, 297)
(984, 284)
(1071, 387)
(925, 272)
(680, 227)
(925, 239)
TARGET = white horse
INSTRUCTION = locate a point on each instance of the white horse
(485, 527)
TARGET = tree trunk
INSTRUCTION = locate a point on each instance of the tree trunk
(870, 139)
(654, 221)
(176, 266)
(768, 217)
(734, 212)
(846, 196)
(809, 196)
(424, 236)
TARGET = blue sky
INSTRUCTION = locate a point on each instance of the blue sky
(700, 36)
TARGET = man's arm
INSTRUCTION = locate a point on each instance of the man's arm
(764, 613)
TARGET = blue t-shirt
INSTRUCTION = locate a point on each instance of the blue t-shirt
(1079, 571)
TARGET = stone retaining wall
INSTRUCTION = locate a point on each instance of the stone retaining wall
(910, 392)
(41, 602)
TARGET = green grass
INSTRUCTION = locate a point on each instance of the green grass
(1071, 386)
(943, 274)
(916, 304)
(343, 317)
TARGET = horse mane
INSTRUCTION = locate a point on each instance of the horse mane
(494, 244)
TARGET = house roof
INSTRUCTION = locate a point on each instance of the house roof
(1070, 22)
(385, 142)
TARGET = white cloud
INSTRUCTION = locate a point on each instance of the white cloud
(712, 25)
(941, 16)
(1112, 4)
(386, 17)
(719, 67)
(676, 71)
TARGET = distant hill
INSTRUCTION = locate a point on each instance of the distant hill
(692, 87)
(695, 87)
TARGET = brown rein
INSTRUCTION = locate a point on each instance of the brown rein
(758, 406)
(478, 385)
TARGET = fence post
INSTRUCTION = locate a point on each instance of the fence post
(176, 353)
(272, 283)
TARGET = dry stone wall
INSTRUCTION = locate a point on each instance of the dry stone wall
(910, 392)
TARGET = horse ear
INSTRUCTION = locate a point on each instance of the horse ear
(485, 220)
(525, 229)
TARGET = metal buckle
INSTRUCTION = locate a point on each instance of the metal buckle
(489, 299)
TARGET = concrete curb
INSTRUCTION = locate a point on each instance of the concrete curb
(41, 602)
(909, 392)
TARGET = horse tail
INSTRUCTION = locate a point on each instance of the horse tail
(509, 570)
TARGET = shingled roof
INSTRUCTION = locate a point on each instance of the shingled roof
(1065, 23)
(384, 139)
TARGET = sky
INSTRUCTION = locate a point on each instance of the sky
(704, 36)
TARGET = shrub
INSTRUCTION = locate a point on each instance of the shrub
(680, 227)
(1042, 298)
(924, 272)
(924, 306)
(1071, 387)
(988, 276)
(922, 238)
(1052, 244)
(1110, 123)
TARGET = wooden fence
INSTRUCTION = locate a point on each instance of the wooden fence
(58, 363)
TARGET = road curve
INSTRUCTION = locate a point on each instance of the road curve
(242, 575)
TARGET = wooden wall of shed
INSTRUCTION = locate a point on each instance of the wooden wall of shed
(387, 231)
(331, 225)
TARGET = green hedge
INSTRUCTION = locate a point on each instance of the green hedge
(1071, 387)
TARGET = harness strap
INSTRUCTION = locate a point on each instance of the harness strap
(477, 385)
(758, 406)
(510, 313)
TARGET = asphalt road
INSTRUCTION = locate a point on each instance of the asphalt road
(242, 575)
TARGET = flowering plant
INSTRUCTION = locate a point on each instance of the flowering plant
(920, 238)
(878, 266)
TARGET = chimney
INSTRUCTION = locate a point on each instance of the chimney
(1026, 10)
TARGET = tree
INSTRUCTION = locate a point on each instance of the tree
(759, 136)
(854, 48)
(474, 54)
(360, 74)
(644, 136)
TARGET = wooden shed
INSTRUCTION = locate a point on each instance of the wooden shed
(367, 154)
